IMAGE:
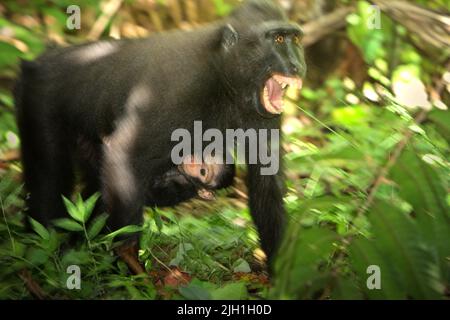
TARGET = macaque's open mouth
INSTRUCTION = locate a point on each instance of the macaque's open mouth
(275, 89)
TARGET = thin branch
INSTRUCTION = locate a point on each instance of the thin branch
(32, 286)
(110, 9)
(325, 25)
(431, 27)
(384, 171)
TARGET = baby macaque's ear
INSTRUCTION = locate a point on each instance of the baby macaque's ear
(206, 194)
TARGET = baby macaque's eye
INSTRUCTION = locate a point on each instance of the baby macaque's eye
(203, 172)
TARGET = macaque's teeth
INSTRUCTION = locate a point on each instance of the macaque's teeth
(293, 82)
(296, 83)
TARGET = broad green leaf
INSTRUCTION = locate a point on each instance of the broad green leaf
(364, 253)
(441, 119)
(421, 186)
(194, 292)
(222, 7)
(37, 256)
(297, 267)
(408, 257)
(9, 54)
(76, 257)
(157, 218)
(89, 206)
(73, 210)
(346, 288)
(39, 229)
(232, 291)
(97, 225)
(242, 266)
(124, 230)
(68, 224)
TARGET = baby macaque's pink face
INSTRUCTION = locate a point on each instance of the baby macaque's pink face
(207, 173)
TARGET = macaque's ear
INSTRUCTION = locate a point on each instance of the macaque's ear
(229, 37)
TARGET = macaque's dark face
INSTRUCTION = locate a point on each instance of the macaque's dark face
(284, 56)
(265, 55)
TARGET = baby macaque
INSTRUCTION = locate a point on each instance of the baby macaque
(190, 179)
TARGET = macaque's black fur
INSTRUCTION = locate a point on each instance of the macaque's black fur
(134, 94)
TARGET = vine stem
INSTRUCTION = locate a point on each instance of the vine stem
(394, 156)
(439, 86)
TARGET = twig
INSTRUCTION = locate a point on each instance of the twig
(390, 163)
(240, 193)
(318, 29)
(110, 9)
(432, 27)
(32, 286)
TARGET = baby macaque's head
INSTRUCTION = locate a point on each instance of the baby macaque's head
(209, 175)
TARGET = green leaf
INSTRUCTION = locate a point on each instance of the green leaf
(73, 210)
(242, 266)
(408, 264)
(421, 185)
(363, 254)
(194, 292)
(232, 291)
(124, 230)
(9, 54)
(68, 224)
(97, 225)
(158, 220)
(76, 257)
(222, 8)
(297, 267)
(441, 120)
(89, 206)
(37, 256)
(39, 229)
(370, 40)
(346, 288)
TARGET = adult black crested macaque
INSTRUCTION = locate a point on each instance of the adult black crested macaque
(230, 74)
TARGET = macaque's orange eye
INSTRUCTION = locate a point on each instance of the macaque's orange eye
(279, 39)
(297, 39)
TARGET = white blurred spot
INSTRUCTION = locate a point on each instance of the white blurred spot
(120, 178)
(370, 93)
(93, 52)
(139, 97)
(352, 99)
(412, 94)
(440, 105)
(12, 139)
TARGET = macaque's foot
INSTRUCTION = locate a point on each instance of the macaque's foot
(128, 252)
